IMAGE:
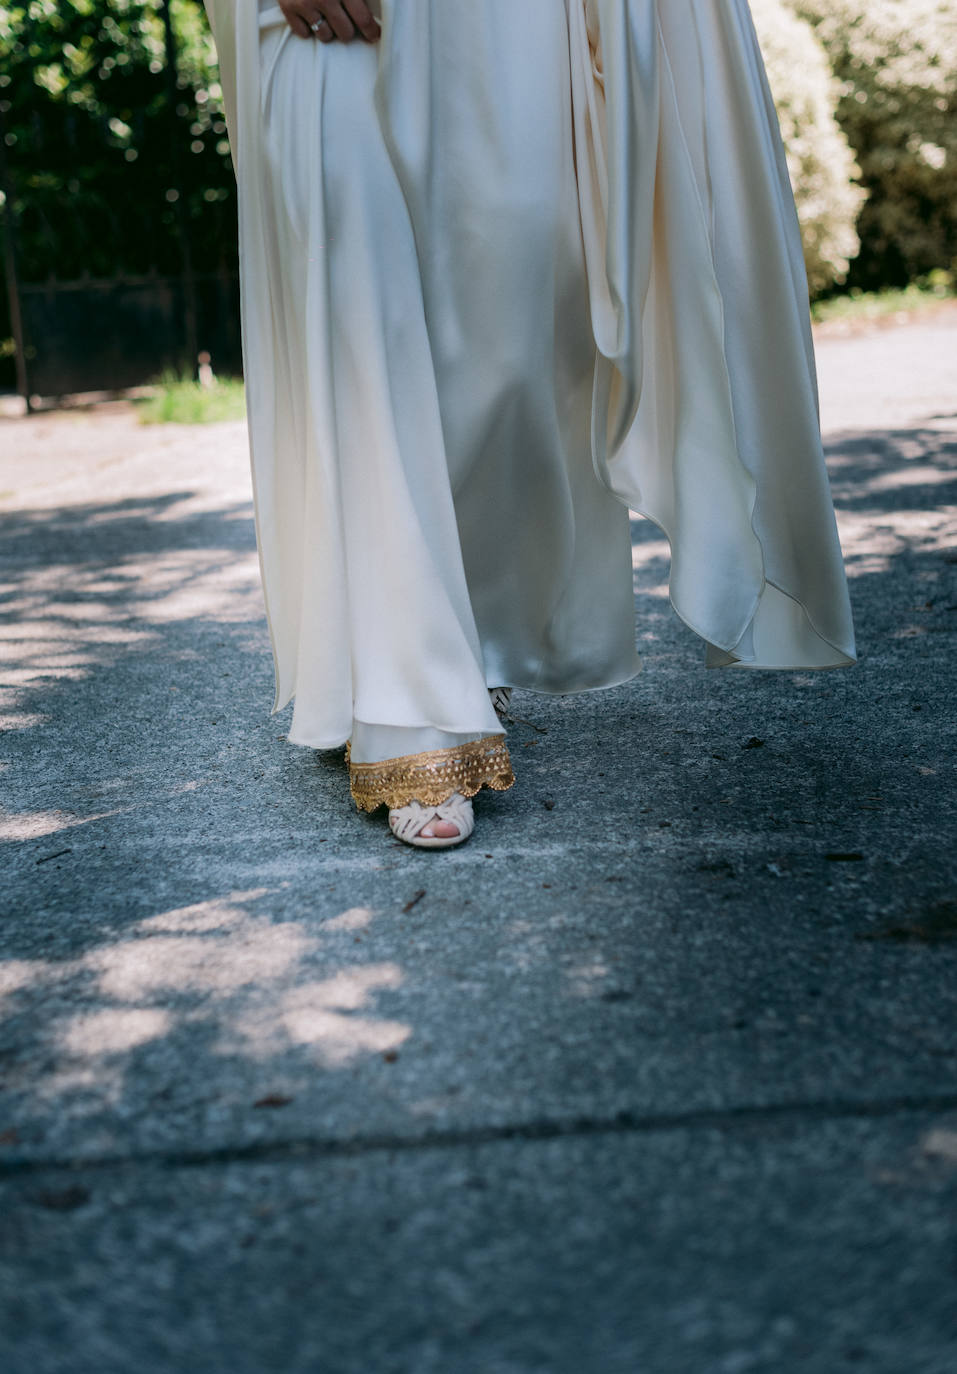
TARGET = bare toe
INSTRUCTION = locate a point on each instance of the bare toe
(440, 830)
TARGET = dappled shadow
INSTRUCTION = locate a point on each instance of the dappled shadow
(889, 471)
(197, 922)
(81, 577)
(895, 493)
(141, 764)
(217, 980)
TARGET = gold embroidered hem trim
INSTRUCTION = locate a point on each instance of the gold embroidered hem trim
(431, 778)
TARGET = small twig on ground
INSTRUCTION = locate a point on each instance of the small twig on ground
(58, 855)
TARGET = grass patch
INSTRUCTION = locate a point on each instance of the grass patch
(861, 306)
(179, 400)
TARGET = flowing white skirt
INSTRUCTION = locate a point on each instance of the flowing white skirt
(506, 274)
(478, 547)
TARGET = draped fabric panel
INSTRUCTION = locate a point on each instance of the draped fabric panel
(705, 410)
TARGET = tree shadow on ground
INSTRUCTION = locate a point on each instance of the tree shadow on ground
(195, 921)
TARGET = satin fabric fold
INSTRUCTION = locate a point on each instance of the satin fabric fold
(380, 569)
(705, 410)
(676, 375)
(428, 517)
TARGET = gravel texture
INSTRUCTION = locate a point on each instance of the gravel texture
(658, 1074)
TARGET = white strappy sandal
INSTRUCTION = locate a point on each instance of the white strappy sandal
(408, 822)
(501, 698)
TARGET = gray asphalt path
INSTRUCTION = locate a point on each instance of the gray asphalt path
(657, 1075)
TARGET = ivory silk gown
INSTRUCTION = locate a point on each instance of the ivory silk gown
(511, 271)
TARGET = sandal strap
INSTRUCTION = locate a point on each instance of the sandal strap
(457, 811)
(501, 698)
(408, 822)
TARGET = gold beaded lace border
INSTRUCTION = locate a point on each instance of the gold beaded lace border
(432, 777)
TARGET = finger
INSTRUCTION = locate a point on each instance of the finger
(364, 20)
(337, 19)
(297, 22)
(316, 23)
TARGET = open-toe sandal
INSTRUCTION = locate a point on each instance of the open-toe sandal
(408, 822)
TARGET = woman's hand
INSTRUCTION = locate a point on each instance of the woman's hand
(328, 20)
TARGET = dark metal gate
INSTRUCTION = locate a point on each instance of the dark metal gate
(108, 334)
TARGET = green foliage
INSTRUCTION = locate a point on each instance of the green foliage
(896, 61)
(101, 145)
(859, 307)
(823, 171)
(110, 160)
(179, 400)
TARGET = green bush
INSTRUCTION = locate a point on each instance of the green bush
(822, 165)
(896, 61)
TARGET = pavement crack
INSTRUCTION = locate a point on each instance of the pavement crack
(534, 1131)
